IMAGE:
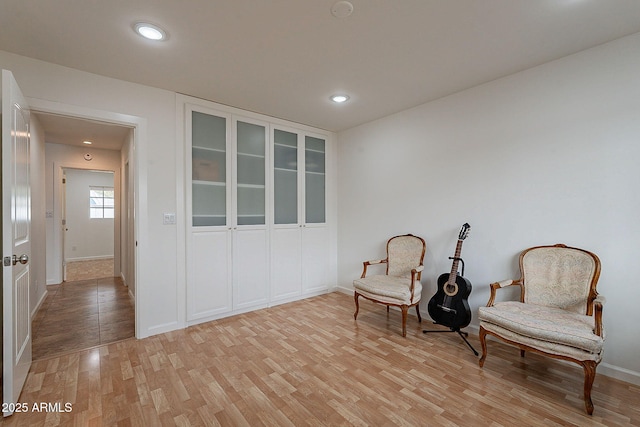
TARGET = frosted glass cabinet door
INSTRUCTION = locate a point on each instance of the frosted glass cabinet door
(208, 166)
(314, 179)
(285, 177)
(251, 147)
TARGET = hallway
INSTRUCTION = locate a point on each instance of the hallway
(82, 314)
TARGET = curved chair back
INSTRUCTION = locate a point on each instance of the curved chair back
(404, 253)
(560, 276)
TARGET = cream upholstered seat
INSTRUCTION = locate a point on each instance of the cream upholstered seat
(559, 313)
(400, 286)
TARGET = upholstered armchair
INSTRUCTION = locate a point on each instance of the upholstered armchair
(400, 285)
(559, 313)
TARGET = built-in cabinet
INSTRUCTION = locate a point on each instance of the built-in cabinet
(257, 229)
(299, 243)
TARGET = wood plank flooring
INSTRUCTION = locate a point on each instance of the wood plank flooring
(82, 314)
(308, 363)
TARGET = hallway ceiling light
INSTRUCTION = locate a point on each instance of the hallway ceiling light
(340, 98)
(150, 31)
(87, 142)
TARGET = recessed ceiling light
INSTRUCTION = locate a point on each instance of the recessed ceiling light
(150, 31)
(341, 9)
(87, 142)
(340, 98)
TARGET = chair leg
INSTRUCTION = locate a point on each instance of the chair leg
(418, 313)
(355, 297)
(405, 310)
(483, 342)
(589, 375)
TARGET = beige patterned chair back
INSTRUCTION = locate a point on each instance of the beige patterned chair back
(403, 254)
(560, 276)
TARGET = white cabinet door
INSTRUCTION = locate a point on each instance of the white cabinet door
(286, 264)
(250, 213)
(315, 260)
(209, 274)
(299, 248)
(315, 242)
(286, 258)
(250, 269)
(209, 232)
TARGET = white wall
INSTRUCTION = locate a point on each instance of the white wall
(37, 262)
(85, 237)
(544, 156)
(154, 110)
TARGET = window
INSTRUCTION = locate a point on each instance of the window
(101, 202)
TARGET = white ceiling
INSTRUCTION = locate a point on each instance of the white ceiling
(284, 58)
(73, 131)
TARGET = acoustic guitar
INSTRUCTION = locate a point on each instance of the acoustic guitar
(449, 306)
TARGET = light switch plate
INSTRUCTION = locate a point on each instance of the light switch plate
(169, 219)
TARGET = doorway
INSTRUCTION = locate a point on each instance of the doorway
(88, 216)
(87, 203)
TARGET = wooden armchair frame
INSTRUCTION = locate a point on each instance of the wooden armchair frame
(412, 301)
(593, 308)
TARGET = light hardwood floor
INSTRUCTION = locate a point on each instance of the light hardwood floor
(310, 363)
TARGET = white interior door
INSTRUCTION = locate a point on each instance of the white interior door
(16, 246)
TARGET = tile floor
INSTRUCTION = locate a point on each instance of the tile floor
(82, 314)
(88, 269)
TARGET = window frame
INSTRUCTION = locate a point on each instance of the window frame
(101, 208)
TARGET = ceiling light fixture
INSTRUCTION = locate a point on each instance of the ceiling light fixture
(342, 9)
(150, 31)
(339, 99)
(87, 142)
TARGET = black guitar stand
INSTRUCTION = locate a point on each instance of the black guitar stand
(462, 334)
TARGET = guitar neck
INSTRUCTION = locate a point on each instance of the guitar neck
(456, 259)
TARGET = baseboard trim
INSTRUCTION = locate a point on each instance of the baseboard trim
(89, 258)
(619, 373)
(37, 307)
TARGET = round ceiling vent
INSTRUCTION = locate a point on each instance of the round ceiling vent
(341, 9)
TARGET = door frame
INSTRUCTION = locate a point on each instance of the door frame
(60, 210)
(137, 158)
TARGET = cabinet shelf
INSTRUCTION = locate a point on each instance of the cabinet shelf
(210, 183)
(285, 146)
(311, 150)
(259, 156)
(215, 150)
